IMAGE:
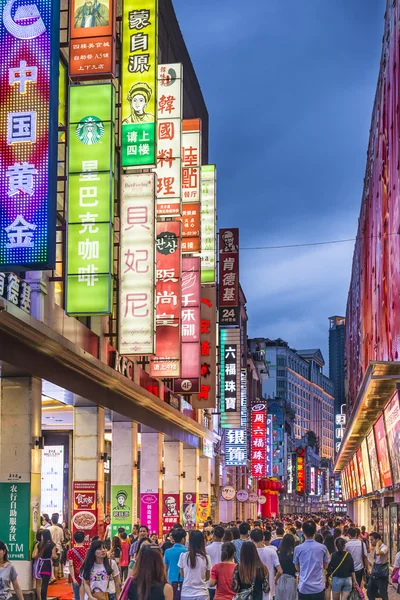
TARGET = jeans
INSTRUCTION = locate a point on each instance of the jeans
(359, 576)
(341, 584)
(75, 588)
(318, 596)
(378, 588)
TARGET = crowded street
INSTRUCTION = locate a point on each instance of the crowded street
(199, 300)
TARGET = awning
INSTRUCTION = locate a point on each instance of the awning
(377, 387)
(36, 349)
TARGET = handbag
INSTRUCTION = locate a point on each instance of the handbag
(245, 594)
(99, 594)
(177, 588)
(380, 570)
(395, 576)
(338, 567)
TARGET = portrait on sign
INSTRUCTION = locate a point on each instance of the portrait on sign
(89, 14)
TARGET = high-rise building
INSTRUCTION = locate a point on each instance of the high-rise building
(337, 329)
(297, 377)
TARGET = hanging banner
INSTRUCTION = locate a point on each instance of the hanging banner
(382, 452)
(300, 471)
(206, 398)
(149, 511)
(361, 472)
(230, 378)
(29, 63)
(191, 288)
(258, 440)
(189, 512)
(228, 277)
(191, 162)
(92, 39)
(14, 519)
(169, 140)
(121, 508)
(208, 213)
(171, 511)
(167, 362)
(203, 509)
(84, 509)
(137, 260)
(90, 216)
(269, 446)
(235, 447)
(392, 421)
(139, 83)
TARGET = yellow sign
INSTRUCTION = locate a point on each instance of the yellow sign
(139, 83)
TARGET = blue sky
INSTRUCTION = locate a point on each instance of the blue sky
(289, 86)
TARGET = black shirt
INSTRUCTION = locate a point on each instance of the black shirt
(287, 565)
(346, 568)
(157, 592)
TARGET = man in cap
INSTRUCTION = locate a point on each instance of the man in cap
(92, 14)
(139, 97)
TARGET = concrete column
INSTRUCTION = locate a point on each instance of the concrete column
(88, 467)
(124, 474)
(20, 463)
(204, 499)
(191, 466)
(38, 283)
(151, 479)
(173, 484)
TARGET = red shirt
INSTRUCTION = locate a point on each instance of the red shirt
(124, 560)
(223, 574)
(72, 556)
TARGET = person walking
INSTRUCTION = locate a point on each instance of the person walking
(269, 557)
(222, 573)
(280, 532)
(47, 554)
(341, 571)
(115, 551)
(358, 551)
(195, 567)
(310, 559)
(124, 560)
(35, 558)
(100, 576)
(76, 557)
(244, 529)
(57, 536)
(8, 576)
(214, 552)
(250, 573)
(286, 587)
(172, 555)
(149, 580)
(379, 580)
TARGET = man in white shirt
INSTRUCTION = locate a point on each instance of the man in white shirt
(358, 550)
(379, 581)
(214, 551)
(269, 557)
(57, 536)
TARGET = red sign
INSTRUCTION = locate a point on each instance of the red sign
(167, 361)
(92, 40)
(171, 511)
(382, 451)
(361, 472)
(206, 398)
(191, 287)
(300, 468)
(84, 509)
(259, 440)
(228, 267)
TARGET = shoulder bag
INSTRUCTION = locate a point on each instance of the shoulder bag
(338, 567)
(177, 587)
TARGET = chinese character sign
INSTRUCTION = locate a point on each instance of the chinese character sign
(92, 39)
(139, 83)
(14, 520)
(208, 210)
(235, 447)
(29, 49)
(191, 288)
(259, 440)
(167, 361)
(230, 378)
(269, 446)
(191, 163)
(206, 398)
(90, 199)
(243, 397)
(171, 511)
(85, 509)
(16, 291)
(169, 140)
(228, 275)
(149, 514)
(137, 257)
(300, 471)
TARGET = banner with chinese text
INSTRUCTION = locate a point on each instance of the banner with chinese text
(14, 519)
(208, 210)
(191, 163)
(92, 39)
(90, 215)
(300, 470)
(167, 362)
(171, 511)
(269, 447)
(139, 83)
(29, 63)
(169, 140)
(121, 508)
(235, 447)
(206, 398)
(137, 263)
(228, 277)
(84, 509)
(191, 289)
(259, 440)
(230, 378)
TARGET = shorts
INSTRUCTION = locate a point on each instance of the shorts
(342, 584)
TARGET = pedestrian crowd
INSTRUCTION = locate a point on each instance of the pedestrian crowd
(305, 557)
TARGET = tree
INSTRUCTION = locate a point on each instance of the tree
(311, 440)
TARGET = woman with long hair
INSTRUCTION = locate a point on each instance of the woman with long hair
(195, 567)
(341, 571)
(100, 576)
(286, 588)
(149, 579)
(228, 536)
(47, 552)
(8, 576)
(250, 573)
(115, 551)
(222, 573)
(35, 558)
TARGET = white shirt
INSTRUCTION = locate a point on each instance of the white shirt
(57, 536)
(194, 580)
(358, 551)
(397, 561)
(381, 559)
(269, 557)
(214, 552)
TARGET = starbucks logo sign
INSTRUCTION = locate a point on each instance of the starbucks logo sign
(90, 130)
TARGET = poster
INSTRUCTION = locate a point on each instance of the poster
(149, 511)
(366, 467)
(203, 509)
(382, 452)
(373, 460)
(171, 511)
(84, 509)
(392, 421)
(15, 519)
(189, 511)
(52, 477)
(361, 472)
(121, 511)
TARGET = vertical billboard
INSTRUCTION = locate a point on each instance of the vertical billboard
(300, 471)
(363, 486)
(191, 163)
(258, 443)
(373, 459)
(392, 421)
(92, 39)
(137, 262)
(230, 373)
(206, 398)
(29, 62)
(228, 277)
(167, 362)
(208, 214)
(169, 140)
(235, 447)
(90, 213)
(382, 452)
(139, 83)
(357, 475)
(191, 289)
(366, 467)
(269, 447)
